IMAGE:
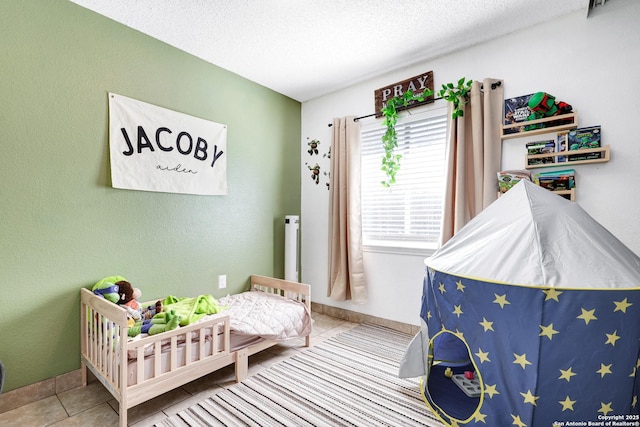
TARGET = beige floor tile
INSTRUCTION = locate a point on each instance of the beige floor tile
(102, 415)
(153, 406)
(41, 413)
(82, 398)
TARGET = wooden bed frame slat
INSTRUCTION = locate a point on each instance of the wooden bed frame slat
(104, 345)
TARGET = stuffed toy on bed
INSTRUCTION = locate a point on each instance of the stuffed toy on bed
(128, 298)
(161, 322)
(107, 288)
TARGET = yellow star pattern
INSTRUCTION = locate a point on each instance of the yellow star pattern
(548, 331)
(479, 417)
(501, 299)
(441, 288)
(491, 390)
(612, 338)
(551, 293)
(605, 408)
(460, 286)
(488, 326)
(530, 398)
(457, 310)
(567, 404)
(587, 315)
(566, 375)
(517, 421)
(634, 401)
(604, 370)
(429, 315)
(622, 305)
(521, 360)
(483, 356)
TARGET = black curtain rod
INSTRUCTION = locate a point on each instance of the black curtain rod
(355, 119)
(493, 86)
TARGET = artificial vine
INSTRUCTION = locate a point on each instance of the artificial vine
(391, 160)
(457, 94)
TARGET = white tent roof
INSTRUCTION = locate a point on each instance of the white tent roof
(530, 236)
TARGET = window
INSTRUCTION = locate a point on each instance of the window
(407, 215)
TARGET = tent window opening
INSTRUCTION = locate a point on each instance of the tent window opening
(408, 215)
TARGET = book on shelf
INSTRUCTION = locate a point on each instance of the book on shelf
(541, 147)
(584, 138)
(509, 178)
(516, 110)
(556, 180)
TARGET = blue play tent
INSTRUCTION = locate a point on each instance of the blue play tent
(531, 318)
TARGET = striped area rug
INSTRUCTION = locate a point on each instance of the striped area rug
(347, 380)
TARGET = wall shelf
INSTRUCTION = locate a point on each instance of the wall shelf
(571, 118)
(604, 157)
(571, 193)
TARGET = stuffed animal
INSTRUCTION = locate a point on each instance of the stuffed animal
(108, 289)
(128, 297)
(541, 105)
(161, 322)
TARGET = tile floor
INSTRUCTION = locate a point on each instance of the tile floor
(94, 406)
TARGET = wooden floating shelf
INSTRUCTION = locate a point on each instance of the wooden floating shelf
(571, 125)
(604, 157)
(571, 193)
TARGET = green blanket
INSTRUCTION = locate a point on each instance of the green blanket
(191, 309)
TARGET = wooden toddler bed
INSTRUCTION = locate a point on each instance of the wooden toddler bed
(136, 370)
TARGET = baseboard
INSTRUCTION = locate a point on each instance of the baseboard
(41, 390)
(353, 316)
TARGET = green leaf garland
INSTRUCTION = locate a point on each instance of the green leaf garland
(457, 94)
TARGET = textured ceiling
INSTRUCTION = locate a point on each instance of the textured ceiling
(308, 48)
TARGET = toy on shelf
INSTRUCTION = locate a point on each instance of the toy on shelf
(542, 105)
(536, 113)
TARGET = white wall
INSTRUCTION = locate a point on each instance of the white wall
(593, 64)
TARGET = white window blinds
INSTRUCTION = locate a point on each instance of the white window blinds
(408, 214)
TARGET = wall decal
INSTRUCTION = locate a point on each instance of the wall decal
(315, 173)
(313, 150)
(313, 147)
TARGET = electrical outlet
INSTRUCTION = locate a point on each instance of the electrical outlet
(222, 281)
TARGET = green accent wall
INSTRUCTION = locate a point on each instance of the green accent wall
(62, 225)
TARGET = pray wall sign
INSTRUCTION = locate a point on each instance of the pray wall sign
(417, 84)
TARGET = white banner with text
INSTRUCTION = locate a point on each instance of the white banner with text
(156, 149)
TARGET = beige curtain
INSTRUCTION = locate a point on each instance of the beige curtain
(346, 270)
(474, 151)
